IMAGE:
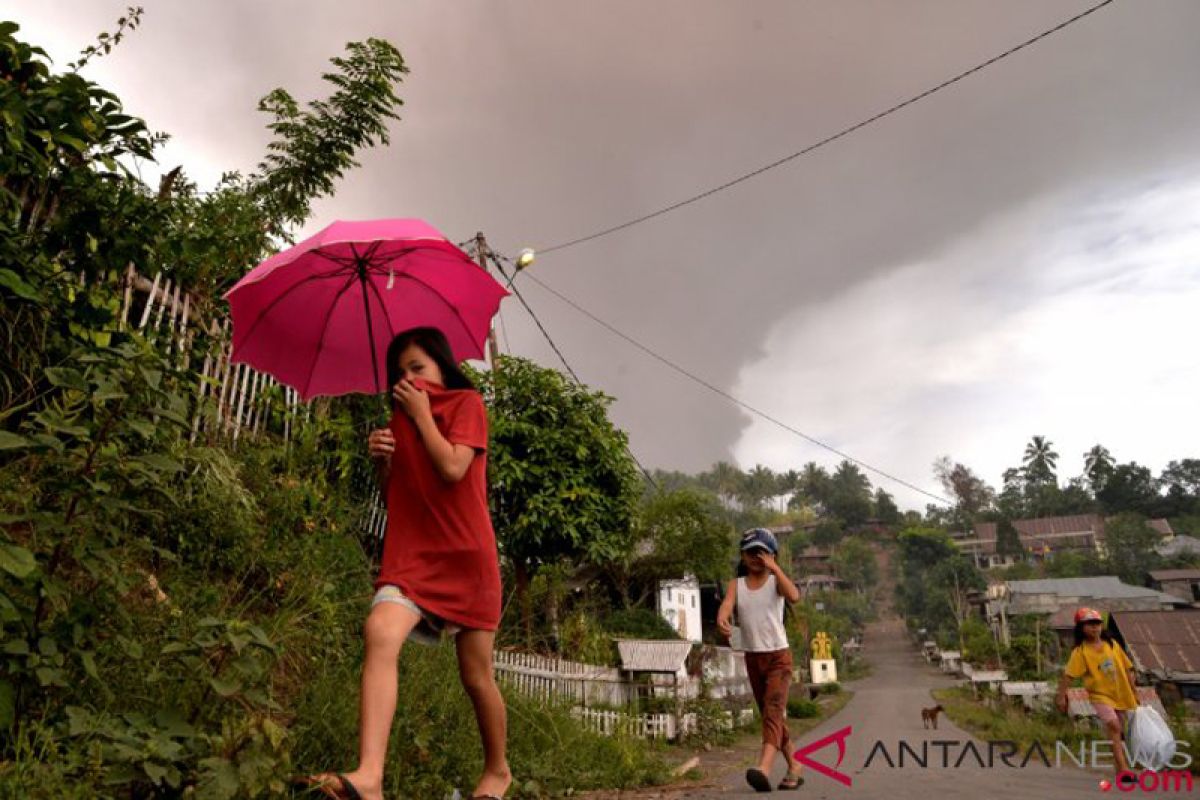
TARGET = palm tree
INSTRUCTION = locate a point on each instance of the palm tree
(1098, 465)
(725, 480)
(1040, 460)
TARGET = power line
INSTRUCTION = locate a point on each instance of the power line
(844, 132)
(731, 398)
(496, 260)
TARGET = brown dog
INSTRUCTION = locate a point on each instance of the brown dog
(929, 715)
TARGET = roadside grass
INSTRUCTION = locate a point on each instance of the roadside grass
(1008, 722)
(1011, 723)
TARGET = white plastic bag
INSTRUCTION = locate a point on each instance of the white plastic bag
(1151, 743)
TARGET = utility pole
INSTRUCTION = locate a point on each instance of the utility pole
(481, 254)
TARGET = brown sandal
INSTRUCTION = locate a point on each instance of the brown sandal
(344, 790)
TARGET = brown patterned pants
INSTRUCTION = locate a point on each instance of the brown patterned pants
(770, 675)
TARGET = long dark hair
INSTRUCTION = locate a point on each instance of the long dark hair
(1080, 638)
(434, 343)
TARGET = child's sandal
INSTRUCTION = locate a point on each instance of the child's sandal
(758, 779)
(790, 782)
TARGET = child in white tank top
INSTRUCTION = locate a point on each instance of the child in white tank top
(759, 599)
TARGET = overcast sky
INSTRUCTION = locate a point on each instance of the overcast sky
(1017, 255)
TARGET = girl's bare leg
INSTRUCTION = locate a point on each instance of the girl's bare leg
(387, 627)
(475, 670)
(1114, 736)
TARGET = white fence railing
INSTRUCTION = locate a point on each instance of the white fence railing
(555, 679)
(244, 398)
(585, 686)
(648, 726)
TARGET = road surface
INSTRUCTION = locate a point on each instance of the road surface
(887, 707)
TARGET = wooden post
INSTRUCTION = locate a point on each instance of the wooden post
(127, 295)
(1037, 634)
(149, 301)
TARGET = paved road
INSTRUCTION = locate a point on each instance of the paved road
(887, 706)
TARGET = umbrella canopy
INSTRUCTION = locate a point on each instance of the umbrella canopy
(319, 316)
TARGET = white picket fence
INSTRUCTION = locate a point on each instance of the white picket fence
(584, 686)
(243, 396)
(561, 680)
(616, 723)
(648, 726)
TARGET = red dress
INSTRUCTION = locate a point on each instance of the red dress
(440, 548)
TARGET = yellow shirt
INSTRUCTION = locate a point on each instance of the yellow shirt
(1105, 674)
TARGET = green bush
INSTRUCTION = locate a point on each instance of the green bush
(639, 623)
(831, 688)
(803, 709)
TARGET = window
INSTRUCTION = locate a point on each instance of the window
(668, 595)
(693, 601)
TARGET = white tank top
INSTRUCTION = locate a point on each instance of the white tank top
(760, 617)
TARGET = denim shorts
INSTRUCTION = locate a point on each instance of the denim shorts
(431, 627)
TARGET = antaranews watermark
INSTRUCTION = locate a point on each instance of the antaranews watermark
(1001, 754)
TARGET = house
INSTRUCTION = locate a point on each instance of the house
(951, 661)
(1183, 583)
(1165, 645)
(812, 559)
(1178, 546)
(1037, 536)
(811, 584)
(661, 665)
(1042, 537)
(1059, 597)
(679, 604)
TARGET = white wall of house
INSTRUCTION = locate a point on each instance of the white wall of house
(679, 605)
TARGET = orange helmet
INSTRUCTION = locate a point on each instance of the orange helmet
(1085, 614)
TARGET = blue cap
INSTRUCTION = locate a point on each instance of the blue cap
(759, 538)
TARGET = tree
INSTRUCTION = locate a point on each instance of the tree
(1183, 475)
(849, 494)
(1008, 541)
(829, 531)
(1011, 502)
(950, 582)
(1040, 461)
(724, 479)
(854, 562)
(970, 491)
(1130, 487)
(757, 486)
(675, 534)
(1181, 479)
(886, 510)
(1098, 465)
(563, 485)
(814, 487)
(1129, 548)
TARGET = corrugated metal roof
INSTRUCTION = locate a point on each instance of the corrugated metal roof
(1043, 526)
(1046, 530)
(1162, 526)
(1180, 545)
(820, 579)
(1175, 574)
(1167, 642)
(649, 655)
(1099, 586)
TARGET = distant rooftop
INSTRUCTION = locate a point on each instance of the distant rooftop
(653, 655)
(1100, 587)
(1175, 574)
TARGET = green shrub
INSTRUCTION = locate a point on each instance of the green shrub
(803, 709)
(639, 623)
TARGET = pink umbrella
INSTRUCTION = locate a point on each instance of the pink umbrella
(319, 316)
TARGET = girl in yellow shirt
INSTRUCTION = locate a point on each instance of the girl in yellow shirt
(1108, 677)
